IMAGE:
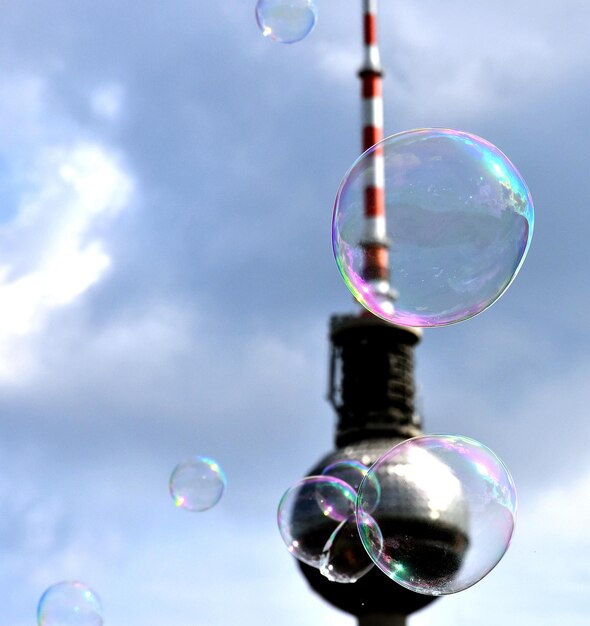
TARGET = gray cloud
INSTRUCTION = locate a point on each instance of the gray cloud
(221, 270)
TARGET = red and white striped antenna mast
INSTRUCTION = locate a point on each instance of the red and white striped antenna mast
(375, 243)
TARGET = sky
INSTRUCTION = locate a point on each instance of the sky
(167, 177)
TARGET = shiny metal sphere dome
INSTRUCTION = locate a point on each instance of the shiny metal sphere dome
(437, 528)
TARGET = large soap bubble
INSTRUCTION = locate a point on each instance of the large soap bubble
(446, 513)
(286, 21)
(431, 226)
(69, 603)
(197, 484)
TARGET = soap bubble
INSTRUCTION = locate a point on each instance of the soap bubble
(452, 229)
(286, 21)
(344, 558)
(310, 511)
(197, 484)
(447, 513)
(352, 473)
(69, 604)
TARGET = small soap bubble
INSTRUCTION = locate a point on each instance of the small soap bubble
(446, 514)
(352, 473)
(345, 560)
(310, 511)
(286, 21)
(197, 484)
(336, 503)
(431, 226)
(69, 604)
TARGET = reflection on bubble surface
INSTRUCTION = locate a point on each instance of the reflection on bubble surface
(458, 218)
(353, 473)
(286, 21)
(310, 511)
(345, 559)
(446, 514)
(69, 603)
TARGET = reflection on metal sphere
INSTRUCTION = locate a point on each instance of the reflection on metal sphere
(441, 541)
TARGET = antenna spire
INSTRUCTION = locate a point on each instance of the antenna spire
(374, 242)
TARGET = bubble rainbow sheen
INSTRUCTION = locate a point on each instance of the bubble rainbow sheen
(345, 559)
(446, 514)
(69, 603)
(310, 512)
(286, 21)
(352, 472)
(458, 218)
(197, 484)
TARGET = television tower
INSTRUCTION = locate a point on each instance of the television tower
(372, 389)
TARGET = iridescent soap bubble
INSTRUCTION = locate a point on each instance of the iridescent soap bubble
(352, 473)
(446, 514)
(286, 21)
(452, 229)
(69, 604)
(197, 484)
(310, 511)
(344, 558)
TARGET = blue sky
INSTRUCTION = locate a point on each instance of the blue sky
(166, 185)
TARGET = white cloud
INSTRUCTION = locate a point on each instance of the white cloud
(338, 62)
(440, 58)
(107, 101)
(561, 512)
(22, 99)
(51, 253)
